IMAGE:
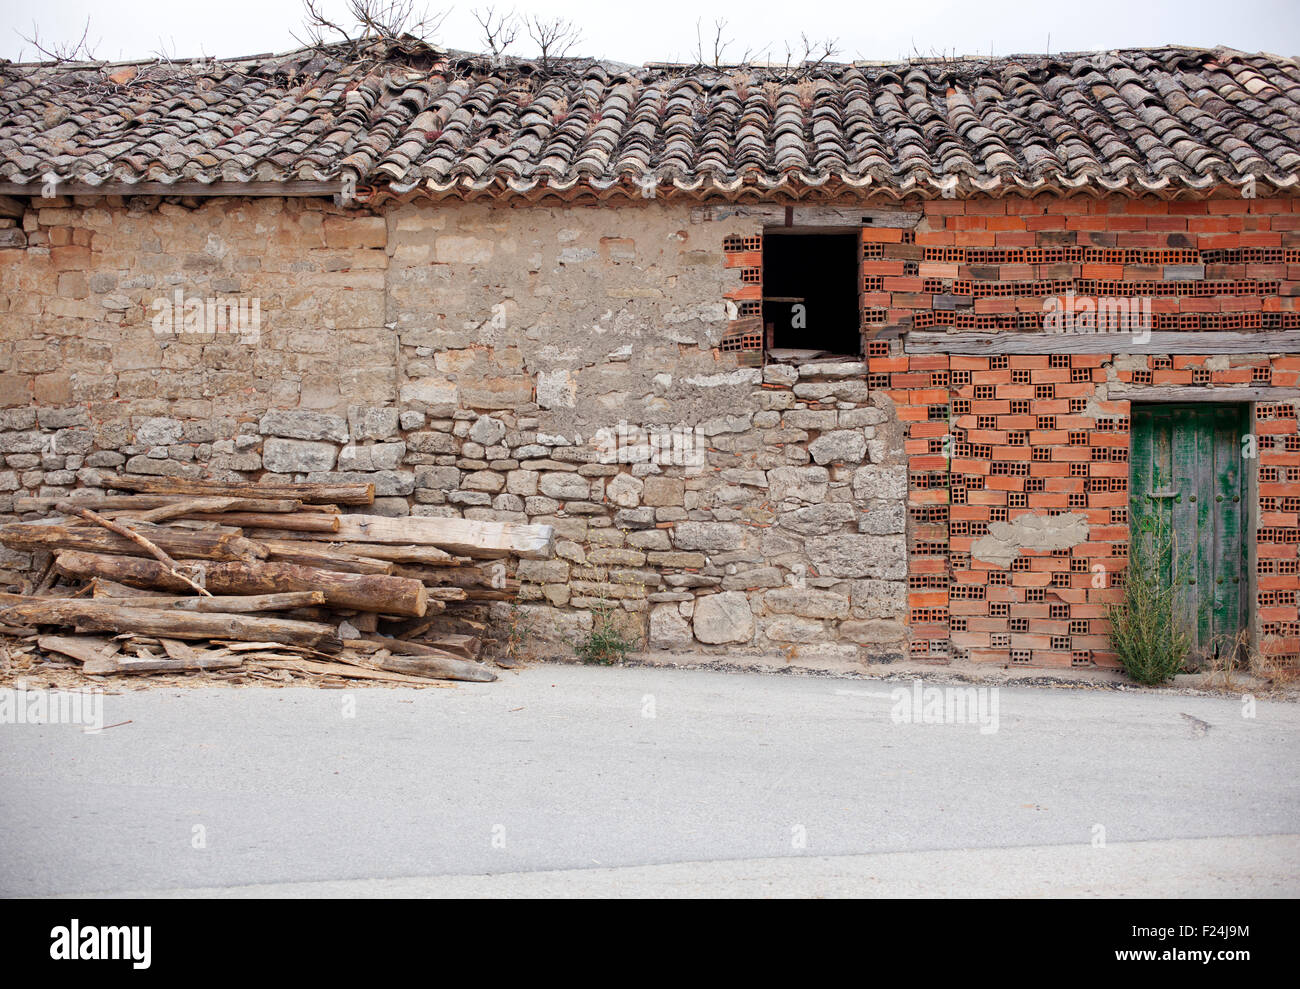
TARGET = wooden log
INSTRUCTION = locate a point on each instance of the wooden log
(460, 651)
(361, 592)
(148, 502)
(214, 659)
(466, 577)
(428, 631)
(223, 604)
(446, 593)
(430, 663)
(347, 671)
(373, 643)
(487, 594)
(100, 616)
(298, 522)
(463, 537)
(131, 571)
(102, 587)
(8, 598)
(136, 537)
(466, 537)
(342, 494)
(429, 556)
(192, 508)
(194, 525)
(56, 534)
(317, 614)
(323, 555)
(467, 646)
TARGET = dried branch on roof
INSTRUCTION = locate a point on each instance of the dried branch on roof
(371, 20)
(554, 39)
(499, 31)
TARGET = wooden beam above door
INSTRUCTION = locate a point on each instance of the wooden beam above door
(925, 342)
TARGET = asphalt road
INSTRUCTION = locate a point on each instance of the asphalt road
(653, 782)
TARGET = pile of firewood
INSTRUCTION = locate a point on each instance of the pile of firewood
(177, 575)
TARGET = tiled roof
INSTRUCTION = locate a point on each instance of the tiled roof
(1164, 121)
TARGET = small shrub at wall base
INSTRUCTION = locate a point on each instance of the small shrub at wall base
(605, 644)
(1151, 644)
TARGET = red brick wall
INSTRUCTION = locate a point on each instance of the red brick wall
(1046, 610)
(1029, 434)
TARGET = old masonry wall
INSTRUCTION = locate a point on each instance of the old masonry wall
(480, 362)
(523, 365)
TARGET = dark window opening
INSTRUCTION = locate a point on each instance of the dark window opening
(810, 295)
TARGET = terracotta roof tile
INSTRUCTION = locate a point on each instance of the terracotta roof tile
(1161, 120)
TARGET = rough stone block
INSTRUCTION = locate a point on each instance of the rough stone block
(304, 425)
(288, 456)
(724, 618)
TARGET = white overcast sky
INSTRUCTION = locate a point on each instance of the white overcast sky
(637, 31)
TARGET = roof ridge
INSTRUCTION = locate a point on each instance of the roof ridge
(413, 45)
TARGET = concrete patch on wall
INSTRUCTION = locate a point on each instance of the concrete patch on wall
(1042, 533)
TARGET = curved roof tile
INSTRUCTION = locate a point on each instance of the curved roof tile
(402, 114)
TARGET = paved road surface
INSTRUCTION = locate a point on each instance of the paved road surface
(739, 784)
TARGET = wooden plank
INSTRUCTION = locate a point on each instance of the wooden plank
(1141, 471)
(102, 587)
(324, 555)
(83, 648)
(373, 643)
(225, 604)
(1193, 393)
(342, 494)
(216, 660)
(341, 670)
(294, 187)
(966, 342)
(59, 533)
(149, 502)
(1201, 486)
(400, 656)
(467, 537)
(297, 522)
(851, 217)
(436, 667)
(465, 646)
(1181, 519)
(278, 545)
(100, 616)
(361, 592)
(1230, 565)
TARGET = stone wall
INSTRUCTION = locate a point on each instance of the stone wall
(483, 362)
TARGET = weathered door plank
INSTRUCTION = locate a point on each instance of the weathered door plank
(1188, 472)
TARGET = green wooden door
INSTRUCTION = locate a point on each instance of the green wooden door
(1188, 470)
